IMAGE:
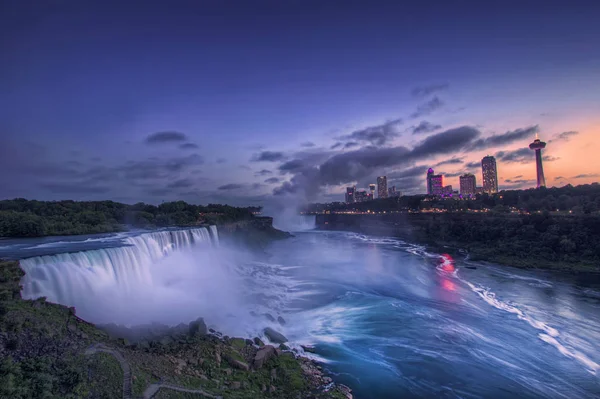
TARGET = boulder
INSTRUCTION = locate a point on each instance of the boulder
(263, 355)
(281, 320)
(284, 347)
(269, 317)
(275, 336)
(238, 343)
(249, 341)
(197, 327)
(236, 360)
(258, 341)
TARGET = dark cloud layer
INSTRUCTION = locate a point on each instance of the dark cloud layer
(272, 180)
(564, 136)
(522, 155)
(188, 146)
(230, 186)
(263, 172)
(269, 156)
(586, 176)
(451, 161)
(291, 166)
(423, 91)
(428, 107)
(307, 144)
(166, 137)
(376, 135)
(425, 127)
(365, 162)
(506, 138)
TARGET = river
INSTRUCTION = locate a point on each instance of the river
(386, 317)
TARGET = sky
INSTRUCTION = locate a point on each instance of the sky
(247, 102)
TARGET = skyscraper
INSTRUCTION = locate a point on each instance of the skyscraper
(350, 195)
(467, 184)
(537, 146)
(382, 187)
(372, 190)
(435, 183)
(490, 174)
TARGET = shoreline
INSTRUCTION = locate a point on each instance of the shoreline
(193, 359)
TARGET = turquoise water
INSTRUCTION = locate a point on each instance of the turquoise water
(386, 317)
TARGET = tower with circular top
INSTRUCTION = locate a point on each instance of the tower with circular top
(537, 146)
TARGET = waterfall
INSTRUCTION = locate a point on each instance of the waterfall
(64, 278)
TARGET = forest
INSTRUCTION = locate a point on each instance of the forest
(31, 218)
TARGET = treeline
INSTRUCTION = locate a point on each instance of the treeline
(540, 240)
(30, 218)
(583, 199)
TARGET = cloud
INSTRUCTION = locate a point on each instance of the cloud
(423, 91)
(376, 135)
(506, 138)
(166, 137)
(446, 142)
(474, 164)
(550, 158)
(366, 162)
(518, 177)
(263, 172)
(291, 166)
(307, 144)
(456, 174)
(586, 176)
(181, 183)
(425, 127)
(272, 180)
(188, 146)
(336, 145)
(451, 161)
(230, 186)
(520, 181)
(428, 107)
(564, 136)
(351, 144)
(221, 160)
(559, 178)
(522, 155)
(269, 156)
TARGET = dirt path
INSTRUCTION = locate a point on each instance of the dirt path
(127, 390)
(153, 388)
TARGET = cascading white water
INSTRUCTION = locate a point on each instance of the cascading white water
(61, 277)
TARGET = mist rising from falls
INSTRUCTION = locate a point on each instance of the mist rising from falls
(167, 276)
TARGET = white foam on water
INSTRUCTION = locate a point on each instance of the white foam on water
(550, 335)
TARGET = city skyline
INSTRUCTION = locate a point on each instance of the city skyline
(208, 103)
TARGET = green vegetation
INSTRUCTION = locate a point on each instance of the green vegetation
(46, 352)
(24, 218)
(543, 240)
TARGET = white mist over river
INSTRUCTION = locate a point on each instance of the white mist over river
(388, 318)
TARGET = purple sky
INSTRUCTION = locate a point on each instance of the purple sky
(223, 101)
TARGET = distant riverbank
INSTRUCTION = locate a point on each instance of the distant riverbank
(525, 241)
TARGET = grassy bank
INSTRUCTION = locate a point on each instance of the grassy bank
(45, 352)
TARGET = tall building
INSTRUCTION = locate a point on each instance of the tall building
(435, 183)
(361, 196)
(468, 184)
(382, 187)
(372, 190)
(392, 192)
(490, 174)
(537, 146)
(350, 195)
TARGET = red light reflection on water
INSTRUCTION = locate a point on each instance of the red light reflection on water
(448, 285)
(447, 263)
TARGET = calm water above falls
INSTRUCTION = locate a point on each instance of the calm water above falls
(389, 319)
